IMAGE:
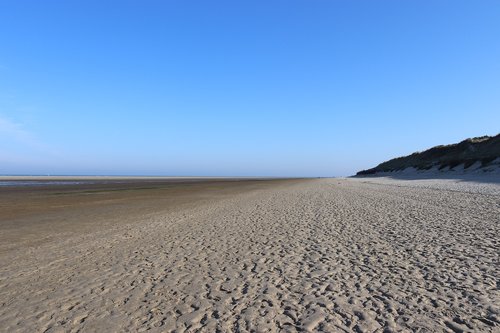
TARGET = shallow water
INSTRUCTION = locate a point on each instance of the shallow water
(7, 183)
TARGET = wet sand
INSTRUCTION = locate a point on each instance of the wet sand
(30, 215)
(327, 255)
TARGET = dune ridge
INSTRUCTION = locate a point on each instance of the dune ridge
(480, 154)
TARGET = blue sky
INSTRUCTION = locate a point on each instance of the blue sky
(275, 88)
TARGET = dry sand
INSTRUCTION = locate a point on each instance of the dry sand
(334, 255)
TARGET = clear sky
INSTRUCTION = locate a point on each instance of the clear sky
(274, 88)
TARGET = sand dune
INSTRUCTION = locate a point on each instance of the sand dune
(327, 255)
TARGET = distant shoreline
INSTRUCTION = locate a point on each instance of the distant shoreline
(37, 181)
(105, 177)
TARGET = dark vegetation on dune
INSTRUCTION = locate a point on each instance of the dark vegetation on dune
(484, 149)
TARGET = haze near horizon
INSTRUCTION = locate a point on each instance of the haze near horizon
(275, 88)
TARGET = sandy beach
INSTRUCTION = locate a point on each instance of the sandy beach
(330, 255)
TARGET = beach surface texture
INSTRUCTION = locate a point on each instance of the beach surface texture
(332, 255)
